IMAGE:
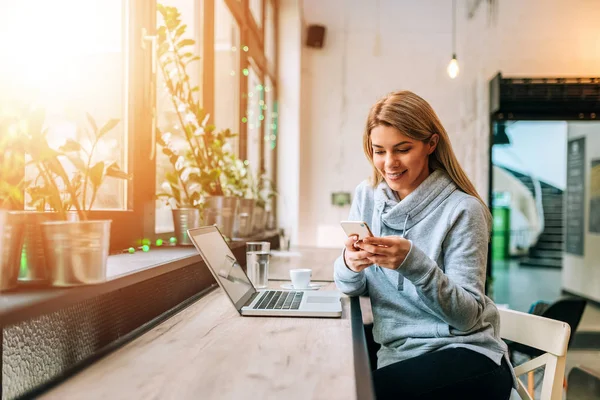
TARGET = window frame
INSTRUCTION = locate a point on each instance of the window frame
(137, 221)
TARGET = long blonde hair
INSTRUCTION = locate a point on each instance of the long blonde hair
(415, 118)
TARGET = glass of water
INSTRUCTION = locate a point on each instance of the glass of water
(257, 263)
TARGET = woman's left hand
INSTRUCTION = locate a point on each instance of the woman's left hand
(388, 252)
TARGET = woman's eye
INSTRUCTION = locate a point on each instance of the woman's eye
(379, 152)
(402, 150)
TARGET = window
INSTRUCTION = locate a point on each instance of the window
(94, 57)
(75, 60)
(227, 70)
(255, 117)
(80, 74)
(270, 130)
(256, 11)
(167, 118)
(270, 35)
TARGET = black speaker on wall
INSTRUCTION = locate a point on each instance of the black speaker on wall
(315, 36)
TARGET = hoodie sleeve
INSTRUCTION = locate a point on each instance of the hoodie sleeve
(347, 281)
(456, 295)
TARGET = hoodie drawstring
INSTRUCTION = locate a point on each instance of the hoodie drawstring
(400, 276)
(404, 229)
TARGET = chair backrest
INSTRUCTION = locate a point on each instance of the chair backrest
(548, 335)
(569, 310)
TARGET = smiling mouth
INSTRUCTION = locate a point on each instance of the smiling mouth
(395, 176)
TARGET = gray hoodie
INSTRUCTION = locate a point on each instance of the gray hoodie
(435, 299)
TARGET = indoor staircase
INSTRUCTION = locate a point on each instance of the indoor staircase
(548, 250)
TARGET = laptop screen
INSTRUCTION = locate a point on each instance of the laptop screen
(220, 260)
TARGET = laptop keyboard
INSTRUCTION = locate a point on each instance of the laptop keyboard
(279, 300)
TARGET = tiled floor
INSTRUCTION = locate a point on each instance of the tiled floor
(519, 287)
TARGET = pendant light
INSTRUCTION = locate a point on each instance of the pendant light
(453, 66)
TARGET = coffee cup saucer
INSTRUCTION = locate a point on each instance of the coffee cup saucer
(311, 286)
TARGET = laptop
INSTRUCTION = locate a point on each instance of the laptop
(243, 295)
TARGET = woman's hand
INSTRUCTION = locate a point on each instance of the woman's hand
(355, 258)
(387, 252)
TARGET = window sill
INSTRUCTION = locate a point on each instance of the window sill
(123, 270)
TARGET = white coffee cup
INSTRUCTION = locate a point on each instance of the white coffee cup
(300, 278)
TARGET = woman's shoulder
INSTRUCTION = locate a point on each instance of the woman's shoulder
(461, 203)
(464, 205)
(364, 188)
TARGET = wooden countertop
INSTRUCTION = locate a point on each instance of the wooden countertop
(209, 351)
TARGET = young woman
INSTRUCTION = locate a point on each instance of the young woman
(424, 270)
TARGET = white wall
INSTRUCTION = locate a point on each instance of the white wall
(366, 55)
(525, 155)
(581, 275)
(374, 47)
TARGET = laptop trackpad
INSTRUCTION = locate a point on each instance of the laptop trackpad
(322, 299)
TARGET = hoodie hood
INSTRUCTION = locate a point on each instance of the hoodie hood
(404, 214)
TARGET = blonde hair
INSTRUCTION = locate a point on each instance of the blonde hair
(415, 118)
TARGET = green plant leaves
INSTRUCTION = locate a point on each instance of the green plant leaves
(114, 171)
(69, 146)
(96, 174)
(185, 42)
(110, 125)
(92, 122)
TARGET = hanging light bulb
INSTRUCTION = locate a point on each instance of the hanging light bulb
(453, 67)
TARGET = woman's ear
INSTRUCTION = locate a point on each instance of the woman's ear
(433, 142)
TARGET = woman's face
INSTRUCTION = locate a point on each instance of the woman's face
(403, 162)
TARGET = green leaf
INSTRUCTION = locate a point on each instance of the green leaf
(92, 122)
(70, 146)
(107, 127)
(176, 194)
(114, 171)
(56, 168)
(77, 162)
(96, 174)
(163, 48)
(172, 179)
(191, 60)
(185, 42)
(180, 31)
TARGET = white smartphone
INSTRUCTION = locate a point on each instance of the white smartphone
(358, 228)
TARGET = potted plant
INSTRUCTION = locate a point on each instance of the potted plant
(207, 155)
(181, 190)
(11, 198)
(262, 191)
(76, 248)
(238, 184)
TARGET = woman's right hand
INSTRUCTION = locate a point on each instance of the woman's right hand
(355, 258)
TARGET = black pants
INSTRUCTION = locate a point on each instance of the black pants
(446, 374)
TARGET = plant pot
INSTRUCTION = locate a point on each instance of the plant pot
(11, 238)
(221, 211)
(259, 219)
(32, 258)
(76, 252)
(184, 219)
(243, 221)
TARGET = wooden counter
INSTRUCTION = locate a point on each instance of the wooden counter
(209, 351)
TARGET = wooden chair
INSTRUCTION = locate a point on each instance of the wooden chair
(547, 335)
